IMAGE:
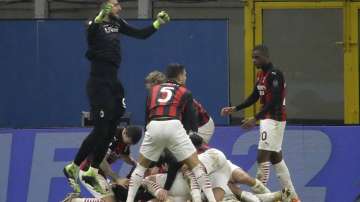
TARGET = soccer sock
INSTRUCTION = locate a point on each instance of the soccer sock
(85, 148)
(249, 197)
(151, 186)
(204, 182)
(135, 182)
(269, 197)
(259, 187)
(87, 200)
(283, 175)
(194, 186)
(263, 172)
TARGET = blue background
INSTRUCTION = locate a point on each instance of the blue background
(44, 71)
(323, 161)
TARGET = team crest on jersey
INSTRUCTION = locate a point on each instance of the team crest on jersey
(261, 89)
(110, 29)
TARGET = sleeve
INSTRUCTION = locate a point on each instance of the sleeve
(128, 30)
(189, 119)
(92, 28)
(250, 100)
(275, 82)
(173, 168)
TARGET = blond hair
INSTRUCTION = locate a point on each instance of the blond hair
(155, 77)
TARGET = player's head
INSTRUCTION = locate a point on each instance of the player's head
(154, 78)
(197, 140)
(131, 134)
(260, 55)
(115, 11)
(176, 72)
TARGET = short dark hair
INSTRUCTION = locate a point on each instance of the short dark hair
(197, 140)
(263, 49)
(174, 70)
(134, 133)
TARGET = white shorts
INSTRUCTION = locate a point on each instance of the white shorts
(103, 183)
(233, 167)
(179, 191)
(220, 178)
(166, 134)
(271, 135)
(207, 130)
(212, 159)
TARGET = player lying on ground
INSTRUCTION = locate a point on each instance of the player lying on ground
(220, 172)
(119, 148)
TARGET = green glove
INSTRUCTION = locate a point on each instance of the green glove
(161, 18)
(104, 12)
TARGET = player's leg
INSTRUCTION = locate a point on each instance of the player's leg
(242, 195)
(207, 131)
(263, 166)
(152, 146)
(283, 174)
(238, 175)
(107, 195)
(183, 149)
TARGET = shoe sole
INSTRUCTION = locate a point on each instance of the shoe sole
(69, 178)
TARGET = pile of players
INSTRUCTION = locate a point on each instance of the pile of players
(182, 167)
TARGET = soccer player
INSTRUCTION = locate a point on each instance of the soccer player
(270, 89)
(119, 148)
(167, 103)
(205, 123)
(105, 92)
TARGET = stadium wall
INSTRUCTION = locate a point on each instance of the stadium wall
(322, 160)
(42, 82)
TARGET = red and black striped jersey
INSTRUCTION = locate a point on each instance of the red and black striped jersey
(202, 115)
(167, 100)
(271, 88)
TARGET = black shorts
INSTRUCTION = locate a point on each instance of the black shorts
(106, 97)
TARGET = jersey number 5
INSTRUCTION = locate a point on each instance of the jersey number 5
(168, 91)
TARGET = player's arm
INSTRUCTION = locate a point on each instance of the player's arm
(106, 167)
(190, 121)
(147, 120)
(275, 82)
(173, 168)
(146, 32)
(252, 99)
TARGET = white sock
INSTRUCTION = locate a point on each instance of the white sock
(249, 197)
(151, 186)
(263, 172)
(135, 182)
(204, 182)
(194, 186)
(269, 197)
(259, 188)
(87, 200)
(283, 174)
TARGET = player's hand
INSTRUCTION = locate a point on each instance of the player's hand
(105, 11)
(124, 182)
(161, 194)
(161, 18)
(227, 111)
(107, 8)
(248, 123)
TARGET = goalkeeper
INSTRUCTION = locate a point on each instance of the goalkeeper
(105, 92)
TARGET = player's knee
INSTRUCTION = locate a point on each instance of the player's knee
(219, 193)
